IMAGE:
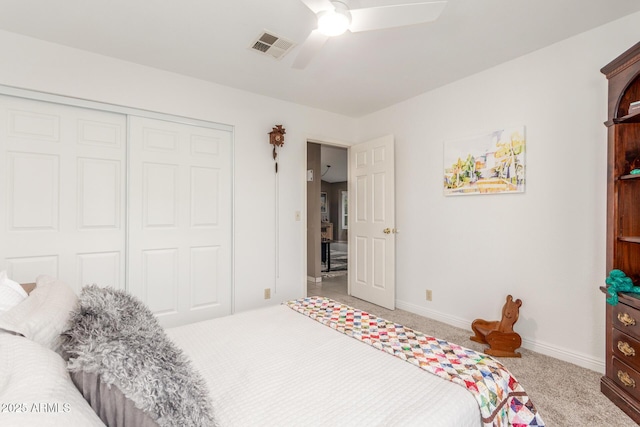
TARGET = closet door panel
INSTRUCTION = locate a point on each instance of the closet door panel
(205, 190)
(160, 190)
(205, 262)
(99, 196)
(62, 183)
(33, 193)
(160, 278)
(180, 207)
(26, 269)
(100, 267)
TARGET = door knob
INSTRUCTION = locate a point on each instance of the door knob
(386, 231)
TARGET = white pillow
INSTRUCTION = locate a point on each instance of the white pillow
(11, 293)
(44, 314)
(36, 390)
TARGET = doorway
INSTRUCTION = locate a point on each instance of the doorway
(327, 218)
(370, 220)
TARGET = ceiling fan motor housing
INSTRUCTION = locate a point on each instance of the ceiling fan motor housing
(334, 22)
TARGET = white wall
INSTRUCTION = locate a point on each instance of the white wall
(546, 246)
(32, 64)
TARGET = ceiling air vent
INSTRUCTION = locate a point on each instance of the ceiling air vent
(272, 45)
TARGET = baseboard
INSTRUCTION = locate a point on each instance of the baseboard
(564, 354)
(567, 355)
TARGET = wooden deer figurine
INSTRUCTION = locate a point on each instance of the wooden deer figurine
(499, 334)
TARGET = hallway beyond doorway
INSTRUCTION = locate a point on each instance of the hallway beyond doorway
(331, 287)
(337, 260)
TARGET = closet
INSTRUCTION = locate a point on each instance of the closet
(128, 199)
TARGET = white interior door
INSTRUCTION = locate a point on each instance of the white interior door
(62, 187)
(180, 219)
(372, 222)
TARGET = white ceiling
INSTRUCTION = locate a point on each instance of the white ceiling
(335, 157)
(354, 74)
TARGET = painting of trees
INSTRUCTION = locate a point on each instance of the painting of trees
(486, 164)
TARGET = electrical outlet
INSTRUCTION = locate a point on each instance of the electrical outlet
(267, 293)
(429, 295)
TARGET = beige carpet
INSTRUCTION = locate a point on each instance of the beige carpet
(565, 394)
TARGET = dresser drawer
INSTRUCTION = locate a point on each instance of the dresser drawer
(626, 348)
(627, 378)
(627, 320)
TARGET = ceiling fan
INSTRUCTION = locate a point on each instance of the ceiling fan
(335, 17)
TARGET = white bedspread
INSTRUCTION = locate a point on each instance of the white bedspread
(276, 367)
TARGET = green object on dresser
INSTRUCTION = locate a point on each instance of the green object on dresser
(619, 282)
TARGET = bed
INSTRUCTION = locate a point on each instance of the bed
(307, 362)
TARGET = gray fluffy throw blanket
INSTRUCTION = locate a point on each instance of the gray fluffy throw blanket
(114, 335)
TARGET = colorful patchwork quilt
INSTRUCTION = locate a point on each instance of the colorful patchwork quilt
(502, 400)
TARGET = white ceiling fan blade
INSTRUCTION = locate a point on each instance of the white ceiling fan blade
(318, 5)
(376, 18)
(309, 48)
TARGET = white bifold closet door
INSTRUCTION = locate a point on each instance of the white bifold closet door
(62, 189)
(180, 219)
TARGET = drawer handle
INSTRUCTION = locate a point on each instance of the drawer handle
(626, 349)
(626, 319)
(626, 379)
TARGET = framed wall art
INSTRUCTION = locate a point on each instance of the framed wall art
(323, 203)
(490, 163)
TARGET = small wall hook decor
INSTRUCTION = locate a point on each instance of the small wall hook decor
(276, 138)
